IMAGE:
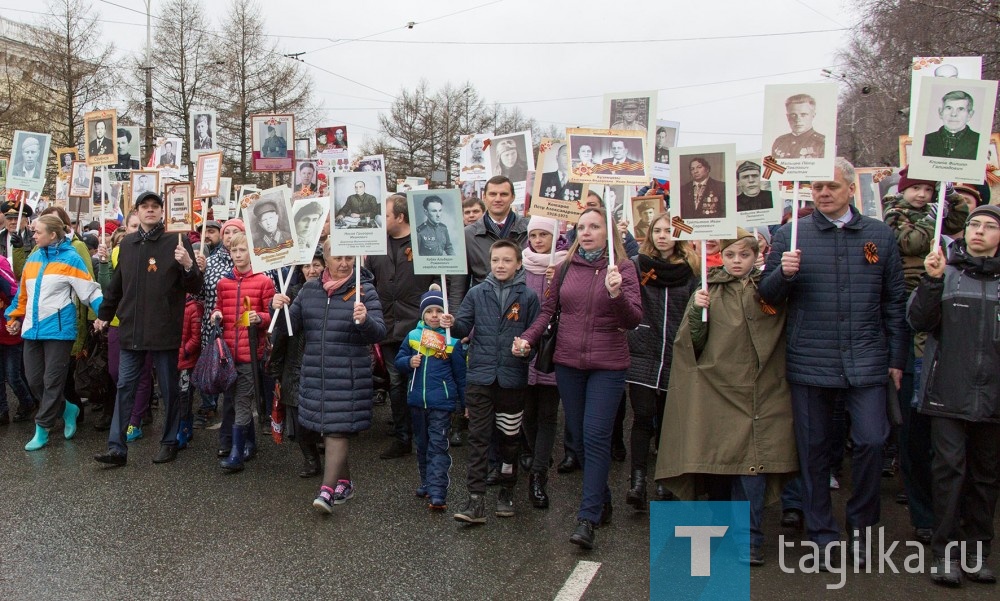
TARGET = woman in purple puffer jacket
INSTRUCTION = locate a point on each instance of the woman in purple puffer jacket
(598, 304)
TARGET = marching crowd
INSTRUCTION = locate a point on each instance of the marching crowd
(863, 339)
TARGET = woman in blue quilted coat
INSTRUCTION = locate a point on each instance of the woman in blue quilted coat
(335, 386)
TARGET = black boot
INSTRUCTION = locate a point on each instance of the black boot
(536, 490)
(636, 495)
(310, 454)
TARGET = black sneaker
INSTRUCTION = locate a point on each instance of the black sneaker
(473, 511)
(947, 573)
(505, 503)
(112, 458)
(493, 477)
(583, 536)
(396, 449)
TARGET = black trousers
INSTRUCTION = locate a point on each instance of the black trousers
(493, 408)
(966, 472)
(541, 417)
(647, 411)
(402, 423)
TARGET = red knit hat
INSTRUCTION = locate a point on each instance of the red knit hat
(905, 182)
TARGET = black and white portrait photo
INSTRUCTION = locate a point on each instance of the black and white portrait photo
(703, 190)
(66, 158)
(127, 147)
(510, 156)
(554, 163)
(473, 160)
(599, 157)
(306, 180)
(309, 215)
(357, 202)
(954, 119)
(143, 181)
(80, 183)
(703, 196)
(438, 239)
(28, 161)
(275, 140)
(270, 224)
(629, 114)
(202, 132)
(800, 124)
(752, 195)
(271, 139)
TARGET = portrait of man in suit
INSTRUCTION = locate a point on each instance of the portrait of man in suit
(125, 160)
(954, 139)
(556, 184)
(81, 178)
(101, 144)
(168, 158)
(619, 162)
(305, 179)
(702, 197)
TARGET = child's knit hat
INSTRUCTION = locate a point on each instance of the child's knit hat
(905, 181)
(431, 298)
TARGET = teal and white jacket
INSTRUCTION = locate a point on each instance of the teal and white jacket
(439, 382)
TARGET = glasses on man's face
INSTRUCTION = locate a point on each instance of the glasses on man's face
(989, 226)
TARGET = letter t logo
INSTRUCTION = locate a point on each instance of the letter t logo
(701, 545)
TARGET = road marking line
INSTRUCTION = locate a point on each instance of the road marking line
(578, 581)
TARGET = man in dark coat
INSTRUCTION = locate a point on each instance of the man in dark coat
(846, 338)
(147, 293)
(399, 291)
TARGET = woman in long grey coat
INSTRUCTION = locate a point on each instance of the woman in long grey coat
(335, 386)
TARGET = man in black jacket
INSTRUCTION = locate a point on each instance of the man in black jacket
(847, 338)
(147, 293)
(399, 291)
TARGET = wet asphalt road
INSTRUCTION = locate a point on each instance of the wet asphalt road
(70, 529)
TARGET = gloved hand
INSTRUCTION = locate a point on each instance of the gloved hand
(932, 211)
(16, 241)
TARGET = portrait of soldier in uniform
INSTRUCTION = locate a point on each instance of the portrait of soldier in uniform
(803, 142)
(432, 234)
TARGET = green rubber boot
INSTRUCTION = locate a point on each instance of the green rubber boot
(70, 413)
(40, 440)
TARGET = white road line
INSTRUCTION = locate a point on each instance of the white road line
(578, 581)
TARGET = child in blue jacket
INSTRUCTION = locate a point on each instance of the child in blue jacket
(435, 365)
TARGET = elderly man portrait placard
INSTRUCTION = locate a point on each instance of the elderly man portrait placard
(438, 237)
(272, 142)
(954, 117)
(926, 67)
(703, 199)
(357, 214)
(800, 124)
(270, 235)
(166, 156)
(602, 156)
(754, 202)
(100, 131)
(28, 160)
(554, 195)
(632, 111)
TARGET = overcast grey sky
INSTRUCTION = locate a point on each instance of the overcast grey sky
(713, 87)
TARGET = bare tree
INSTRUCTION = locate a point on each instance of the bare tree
(74, 65)
(877, 64)
(256, 78)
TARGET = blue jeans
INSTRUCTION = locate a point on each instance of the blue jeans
(129, 368)
(752, 489)
(12, 372)
(813, 411)
(430, 433)
(590, 399)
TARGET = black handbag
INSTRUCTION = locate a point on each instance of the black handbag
(546, 348)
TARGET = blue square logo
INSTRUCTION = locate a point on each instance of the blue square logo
(698, 550)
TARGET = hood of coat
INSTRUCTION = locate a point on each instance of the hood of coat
(961, 259)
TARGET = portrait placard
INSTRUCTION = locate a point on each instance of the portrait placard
(703, 192)
(667, 136)
(127, 144)
(331, 137)
(78, 206)
(267, 216)
(964, 67)
(374, 162)
(554, 195)
(3, 173)
(203, 131)
(867, 198)
(65, 157)
(82, 181)
(357, 222)
(632, 111)
(269, 142)
(511, 156)
(954, 118)
(308, 216)
(100, 131)
(306, 180)
(438, 237)
(474, 158)
(207, 174)
(644, 211)
(222, 202)
(141, 182)
(615, 197)
(602, 156)
(800, 125)
(28, 161)
(115, 196)
(302, 148)
(755, 204)
(62, 192)
(178, 206)
(905, 150)
(166, 156)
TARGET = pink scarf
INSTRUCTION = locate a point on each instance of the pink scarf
(330, 284)
(537, 263)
